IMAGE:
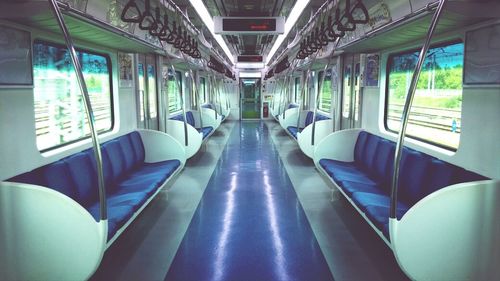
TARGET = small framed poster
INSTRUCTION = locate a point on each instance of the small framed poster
(15, 57)
(126, 77)
(372, 70)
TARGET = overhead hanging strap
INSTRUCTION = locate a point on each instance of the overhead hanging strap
(103, 215)
(407, 107)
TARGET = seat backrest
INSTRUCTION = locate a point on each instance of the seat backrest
(190, 118)
(419, 174)
(309, 118)
(76, 175)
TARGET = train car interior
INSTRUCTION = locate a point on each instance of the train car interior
(250, 140)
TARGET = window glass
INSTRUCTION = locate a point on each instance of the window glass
(174, 93)
(325, 96)
(436, 112)
(152, 91)
(60, 115)
(142, 89)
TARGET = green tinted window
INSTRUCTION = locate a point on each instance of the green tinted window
(436, 112)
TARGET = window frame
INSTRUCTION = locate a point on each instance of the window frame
(387, 81)
(111, 92)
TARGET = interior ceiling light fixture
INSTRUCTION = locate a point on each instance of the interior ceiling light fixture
(209, 22)
(250, 65)
(297, 10)
(250, 75)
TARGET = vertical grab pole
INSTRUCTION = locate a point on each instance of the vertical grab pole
(179, 86)
(406, 110)
(103, 214)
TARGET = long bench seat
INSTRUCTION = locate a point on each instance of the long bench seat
(363, 173)
(133, 174)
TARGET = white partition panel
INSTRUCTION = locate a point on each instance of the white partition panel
(175, 129)
(288, 114)
(209, 119)
(337, 146)
(323, 129)
(452, 234)
(160, 147)
(45, 235)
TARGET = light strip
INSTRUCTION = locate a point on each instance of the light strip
(250, 65)
(297, 10)
(207, 19)
(250, 75)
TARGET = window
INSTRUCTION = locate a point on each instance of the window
(173, 91)
(325, 96)
(60, 116)
(436, 112)
(203, 90)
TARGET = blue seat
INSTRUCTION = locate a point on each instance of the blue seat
(294, 130)
(367, 180)
(205, 131)
(130, 182)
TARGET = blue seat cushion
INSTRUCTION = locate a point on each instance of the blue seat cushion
(331, 166)
(119, 211)
(190, 118)
(178, 117)
(57, 176)
(205, 131)
(365, 199)
(345, 171)
(138, 148)
(379, 216)
(350, 187)
(82, 169)
(148, 178)
(309, 118)
(293, 131)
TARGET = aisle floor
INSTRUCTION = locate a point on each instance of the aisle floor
(249, 224)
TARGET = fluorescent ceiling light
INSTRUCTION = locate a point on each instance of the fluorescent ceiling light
(250, 65)
(250, 75)
(299, 7)
(207, 19)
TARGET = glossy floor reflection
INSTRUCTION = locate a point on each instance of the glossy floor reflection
(249, 224)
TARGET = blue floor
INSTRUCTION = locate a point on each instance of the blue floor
(249, 224)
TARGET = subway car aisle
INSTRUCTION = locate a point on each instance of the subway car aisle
(249, 224)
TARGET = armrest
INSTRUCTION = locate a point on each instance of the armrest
(46, 235)
(176, 130)
(209, 120)
(458, 233)
(323, 129)
(159, 146)
(289, 113)
(337, 146)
